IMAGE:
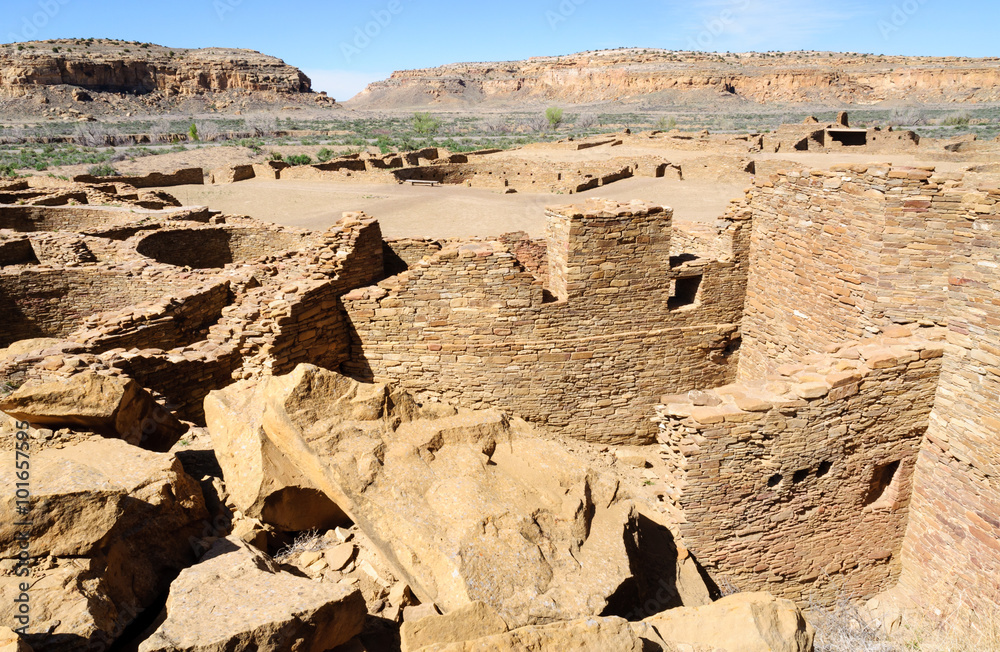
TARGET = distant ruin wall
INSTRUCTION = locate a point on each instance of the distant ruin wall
(951, 554)
(185, 177)
(799, 484)
(472, 325)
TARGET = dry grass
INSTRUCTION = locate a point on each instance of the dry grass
(962, 628)
(306, 542)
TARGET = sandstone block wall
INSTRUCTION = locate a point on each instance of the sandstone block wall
(473, 325)
(16, 250)
(54, 302)
(799, 483)
(839, 254)
(185, 177)
(164, 324)
(951, 554)
(215, 247)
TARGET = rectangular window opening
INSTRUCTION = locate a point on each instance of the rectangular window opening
(685, 292)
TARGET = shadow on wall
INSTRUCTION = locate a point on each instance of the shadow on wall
(215, 248)
(17, 324)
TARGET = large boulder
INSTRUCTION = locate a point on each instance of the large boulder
(260, 480)
(113, 406)
(465, 505)
(596, 634)
(110, 526)
(742, 622)
(237, 599)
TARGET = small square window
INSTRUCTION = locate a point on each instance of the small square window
(685, 291)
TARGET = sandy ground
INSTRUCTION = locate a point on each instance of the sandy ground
(443, 211)
(458, 211)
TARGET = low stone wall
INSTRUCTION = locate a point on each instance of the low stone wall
(163, 324)
(800, 483)
(185, 177)
(53, 302)
(233, 174)
(16, 250)
(217, 246)
(401, 254)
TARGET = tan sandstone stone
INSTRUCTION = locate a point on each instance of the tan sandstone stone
(238, 599)
(113, 406)
(742, 622)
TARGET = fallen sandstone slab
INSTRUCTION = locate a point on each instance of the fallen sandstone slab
(263, 482)
(238, 599)
(465, 505)
(113, 406)
(604, 634)
(110, 526)
(742, 622)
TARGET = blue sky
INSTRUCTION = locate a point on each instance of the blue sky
(328, 40)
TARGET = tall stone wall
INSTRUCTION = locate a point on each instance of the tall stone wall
(951, 554)
(839, 254)
(799, 483)
(473, 325)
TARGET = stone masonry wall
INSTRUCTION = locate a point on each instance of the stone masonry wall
(799, 483)
(951, 554)
(53, 302)
(472, 325)
(839, 254)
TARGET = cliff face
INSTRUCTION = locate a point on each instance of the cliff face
(630, 74)
(119, 67)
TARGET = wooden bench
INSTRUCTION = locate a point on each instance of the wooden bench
(423, 182)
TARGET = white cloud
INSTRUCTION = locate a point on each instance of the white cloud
(342, 85)
(740, 25)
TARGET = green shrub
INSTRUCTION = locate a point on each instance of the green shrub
(554, 115)
(325, 155)
(298, 159)
(193, 132)
(9, 171)
(425, 124)
(102, 170)
(276, 156)
(666, 124)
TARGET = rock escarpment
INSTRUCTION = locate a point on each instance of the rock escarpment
(629, 75)
(122, 67)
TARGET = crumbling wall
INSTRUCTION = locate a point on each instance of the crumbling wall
(951, 554)
(164, 324)
(474, 326)
(799, 483)
(400, 254)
